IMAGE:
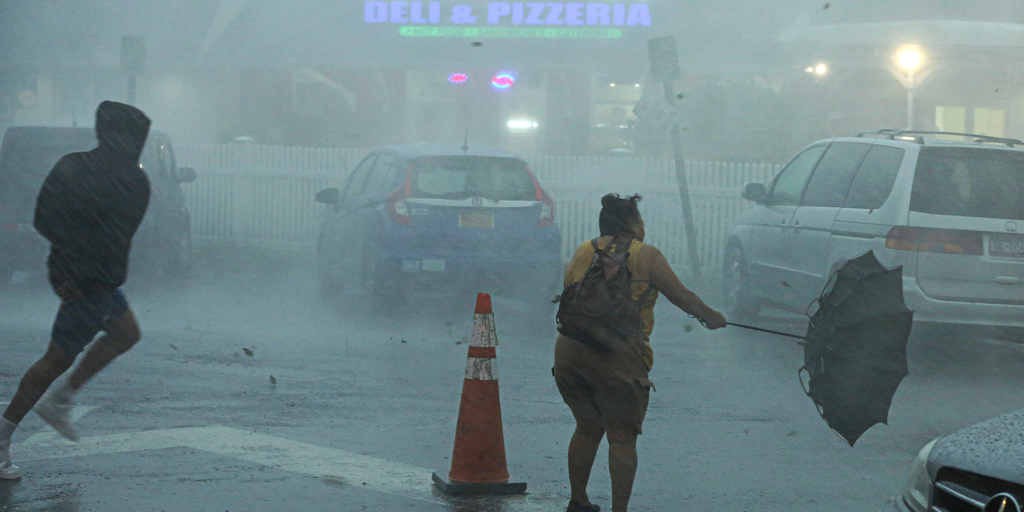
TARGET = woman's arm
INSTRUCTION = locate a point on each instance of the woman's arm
(666, 281)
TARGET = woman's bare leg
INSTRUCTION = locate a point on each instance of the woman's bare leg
(582, 452)
(622, 462)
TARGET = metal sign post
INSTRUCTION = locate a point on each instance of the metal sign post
(665, 69)
(133, 60)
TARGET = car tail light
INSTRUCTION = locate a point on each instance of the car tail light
(547, 210)
(395, 203)
(947, 241)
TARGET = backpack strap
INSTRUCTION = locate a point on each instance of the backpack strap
(628, 243)
(646, 295)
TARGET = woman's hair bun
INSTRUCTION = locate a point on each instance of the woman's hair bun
(618, 214)
(615, 201)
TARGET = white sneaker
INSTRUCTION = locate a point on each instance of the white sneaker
(8, 471)
(58, 414)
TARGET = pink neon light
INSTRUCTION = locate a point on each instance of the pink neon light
(503, 81)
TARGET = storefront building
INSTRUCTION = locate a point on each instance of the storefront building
(557, 78)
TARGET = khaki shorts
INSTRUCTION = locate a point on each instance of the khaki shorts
(608, 390)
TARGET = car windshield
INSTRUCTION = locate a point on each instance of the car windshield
(969, 182)
(462, 177)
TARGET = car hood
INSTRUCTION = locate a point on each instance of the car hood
(993, 448)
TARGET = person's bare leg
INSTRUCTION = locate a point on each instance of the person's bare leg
(36, 381)
(582, 452)
(122, 334)
(622, 464)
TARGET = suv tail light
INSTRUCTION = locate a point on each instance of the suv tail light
(395, 203)
(948, 241)
(547, 210)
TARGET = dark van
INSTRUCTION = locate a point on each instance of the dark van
(28, 153)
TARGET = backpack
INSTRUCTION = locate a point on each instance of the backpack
(599, 310)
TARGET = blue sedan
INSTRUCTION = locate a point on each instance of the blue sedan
(441, 220)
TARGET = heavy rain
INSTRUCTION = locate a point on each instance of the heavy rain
(408, 255)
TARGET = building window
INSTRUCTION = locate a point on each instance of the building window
(951, 119)
(989, 121)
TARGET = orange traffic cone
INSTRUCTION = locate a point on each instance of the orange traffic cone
(478, 461)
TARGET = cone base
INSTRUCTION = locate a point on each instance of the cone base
(465, 489)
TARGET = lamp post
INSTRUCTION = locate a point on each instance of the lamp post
(909, 59)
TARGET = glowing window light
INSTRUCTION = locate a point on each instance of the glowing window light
(521, 124)
(458, 78)
(503, 81)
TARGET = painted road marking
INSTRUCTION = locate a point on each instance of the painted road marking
(326, 463)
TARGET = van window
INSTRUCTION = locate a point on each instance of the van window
(969, 182)
(874, 180)
(789, 184)
(832, 177)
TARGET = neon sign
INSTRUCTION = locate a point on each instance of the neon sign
(478, 32)
(503, 81)
(571, 14)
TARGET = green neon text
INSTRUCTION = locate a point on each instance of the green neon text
(545, 33)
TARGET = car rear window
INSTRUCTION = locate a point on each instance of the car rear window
(461, 177)
(969, 182)
(24, 165)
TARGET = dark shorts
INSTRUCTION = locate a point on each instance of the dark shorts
(78, 322)
(599, 389)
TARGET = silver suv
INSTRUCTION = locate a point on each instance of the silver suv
(948, 207)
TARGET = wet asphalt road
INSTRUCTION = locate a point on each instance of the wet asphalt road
(189, 421)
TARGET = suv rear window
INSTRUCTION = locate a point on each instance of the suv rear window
(462, 177)
(969, 182)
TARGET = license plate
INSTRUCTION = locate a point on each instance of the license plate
(476, 220)
(1006, 246)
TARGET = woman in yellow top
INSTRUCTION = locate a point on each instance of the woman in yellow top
(608, 392)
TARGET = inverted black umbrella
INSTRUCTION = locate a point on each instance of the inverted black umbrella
(855, 350)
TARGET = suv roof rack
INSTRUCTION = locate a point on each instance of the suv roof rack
(917, 136)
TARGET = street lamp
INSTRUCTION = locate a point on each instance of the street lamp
(909, 60)
(819, 69)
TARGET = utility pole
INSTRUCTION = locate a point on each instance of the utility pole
(665, 68)
(133, 61)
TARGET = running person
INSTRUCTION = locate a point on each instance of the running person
(89, 208)
(608, 392)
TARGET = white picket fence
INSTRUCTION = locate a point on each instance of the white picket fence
(264, 194)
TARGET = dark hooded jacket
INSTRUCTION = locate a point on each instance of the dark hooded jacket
(92, 203)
